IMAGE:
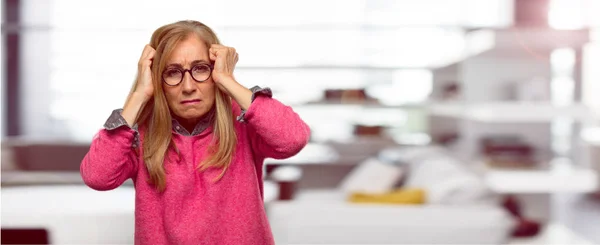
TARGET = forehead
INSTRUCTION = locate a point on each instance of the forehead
(188, 50)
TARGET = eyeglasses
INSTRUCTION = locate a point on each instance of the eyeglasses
(174, 76)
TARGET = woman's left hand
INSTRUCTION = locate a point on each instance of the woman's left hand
(225, 59)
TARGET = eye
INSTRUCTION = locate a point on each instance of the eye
(172, 73)
(200, 69)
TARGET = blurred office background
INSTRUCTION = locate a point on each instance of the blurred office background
(433, 121)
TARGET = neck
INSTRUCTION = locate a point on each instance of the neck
(190, 124)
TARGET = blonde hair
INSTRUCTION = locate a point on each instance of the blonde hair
(155, 115)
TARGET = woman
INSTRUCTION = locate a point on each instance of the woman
(193, 141)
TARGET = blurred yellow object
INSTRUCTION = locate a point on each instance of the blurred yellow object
(399, 196)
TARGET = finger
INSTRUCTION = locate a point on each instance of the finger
(142, 56)
(216, 46)
(147, 55)
(145, 51)
(216, 50)
(145, 65)
(150, 53)
(212, 56)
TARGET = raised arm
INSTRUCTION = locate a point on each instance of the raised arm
(112, 158)
(275, 130)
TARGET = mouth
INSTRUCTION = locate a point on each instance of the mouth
(188, 102)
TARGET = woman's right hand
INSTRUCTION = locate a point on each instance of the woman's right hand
(144, 90)
(144, 77)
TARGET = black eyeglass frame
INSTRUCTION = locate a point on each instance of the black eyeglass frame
(184, 71)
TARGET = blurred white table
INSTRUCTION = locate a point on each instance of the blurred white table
(542, 181)
(77, 214)
(313, 153)
(72, 214)
(561, 176)
(535, 187)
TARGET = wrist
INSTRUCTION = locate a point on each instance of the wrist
(228, 84)
(140, 97)
(133, 107)
(240, 94)
(226, 80)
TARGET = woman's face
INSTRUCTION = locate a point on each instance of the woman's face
(189, 100)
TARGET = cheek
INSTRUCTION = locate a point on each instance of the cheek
(171, 96)
(208, 91)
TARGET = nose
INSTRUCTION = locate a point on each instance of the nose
(188, 83)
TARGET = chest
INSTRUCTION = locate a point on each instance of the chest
(184, 175)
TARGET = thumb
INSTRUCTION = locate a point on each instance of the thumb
(212, 55)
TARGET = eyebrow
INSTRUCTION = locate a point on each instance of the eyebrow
(195, 62)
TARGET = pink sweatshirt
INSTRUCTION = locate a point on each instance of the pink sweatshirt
(193, 209)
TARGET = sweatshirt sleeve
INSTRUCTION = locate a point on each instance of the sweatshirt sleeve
(111, 159)
(275, 130)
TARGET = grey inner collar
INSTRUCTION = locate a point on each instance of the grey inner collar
(200, 126)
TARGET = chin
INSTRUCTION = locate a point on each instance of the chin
(192, 114)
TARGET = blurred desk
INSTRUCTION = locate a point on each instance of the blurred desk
(542, 181)
(312, 153)
(77, 214)
(320, 164)
(324, 165)
(560, 176)
(535, 187)
(72, 214)
(20, 178)
(351, 152)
